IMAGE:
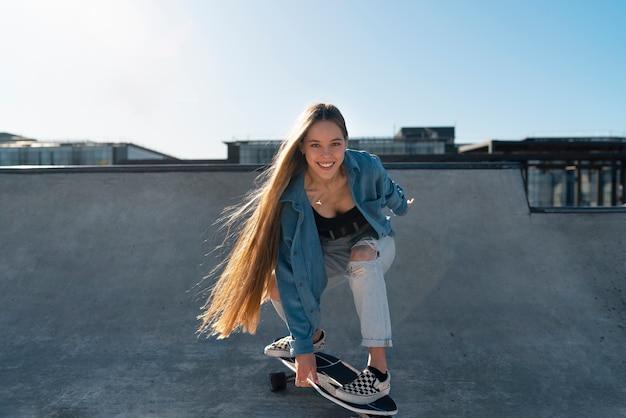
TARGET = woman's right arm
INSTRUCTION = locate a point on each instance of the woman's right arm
(291, 295)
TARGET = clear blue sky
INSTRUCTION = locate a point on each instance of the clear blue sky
(182, 76)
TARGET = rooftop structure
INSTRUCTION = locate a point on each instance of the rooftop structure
(18, 150)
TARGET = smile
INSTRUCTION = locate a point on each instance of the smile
(326, 165)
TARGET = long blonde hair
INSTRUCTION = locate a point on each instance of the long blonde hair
(235, 300)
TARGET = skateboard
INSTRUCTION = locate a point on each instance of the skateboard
(332, 373)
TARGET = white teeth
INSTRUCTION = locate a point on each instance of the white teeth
(327, 165)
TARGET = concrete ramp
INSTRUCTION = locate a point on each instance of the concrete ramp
(496, 311)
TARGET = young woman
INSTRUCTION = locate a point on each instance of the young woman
(315, 221)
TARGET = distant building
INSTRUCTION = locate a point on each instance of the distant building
(565, 171)
(18, 150)
(557, 171)
(407, 142)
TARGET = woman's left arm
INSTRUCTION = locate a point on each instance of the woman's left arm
(394, 195)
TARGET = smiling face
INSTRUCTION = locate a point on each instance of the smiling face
(323, 147)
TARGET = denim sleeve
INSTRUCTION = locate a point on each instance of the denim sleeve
(291, 292)
(395, 199)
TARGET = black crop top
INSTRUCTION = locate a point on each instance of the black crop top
(327, 224)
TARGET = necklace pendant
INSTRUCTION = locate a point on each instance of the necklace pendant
(319, 202)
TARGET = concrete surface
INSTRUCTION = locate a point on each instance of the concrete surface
(497, 311)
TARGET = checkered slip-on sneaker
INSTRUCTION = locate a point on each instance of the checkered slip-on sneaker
(282, 347)
(366, 388)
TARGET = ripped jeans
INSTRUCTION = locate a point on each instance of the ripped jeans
(366, 281)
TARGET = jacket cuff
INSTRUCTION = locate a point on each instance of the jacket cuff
(403, 207)
(301, 347)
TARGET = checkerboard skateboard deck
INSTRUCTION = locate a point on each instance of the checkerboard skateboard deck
(332, 373)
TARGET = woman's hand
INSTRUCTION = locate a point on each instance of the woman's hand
(410, 201)
(306, 367)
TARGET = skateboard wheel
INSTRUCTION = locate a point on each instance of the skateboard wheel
(278, 381)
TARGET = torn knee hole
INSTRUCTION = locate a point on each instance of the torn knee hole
(363, 253)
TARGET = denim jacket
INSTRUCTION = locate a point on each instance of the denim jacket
(300, 270)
